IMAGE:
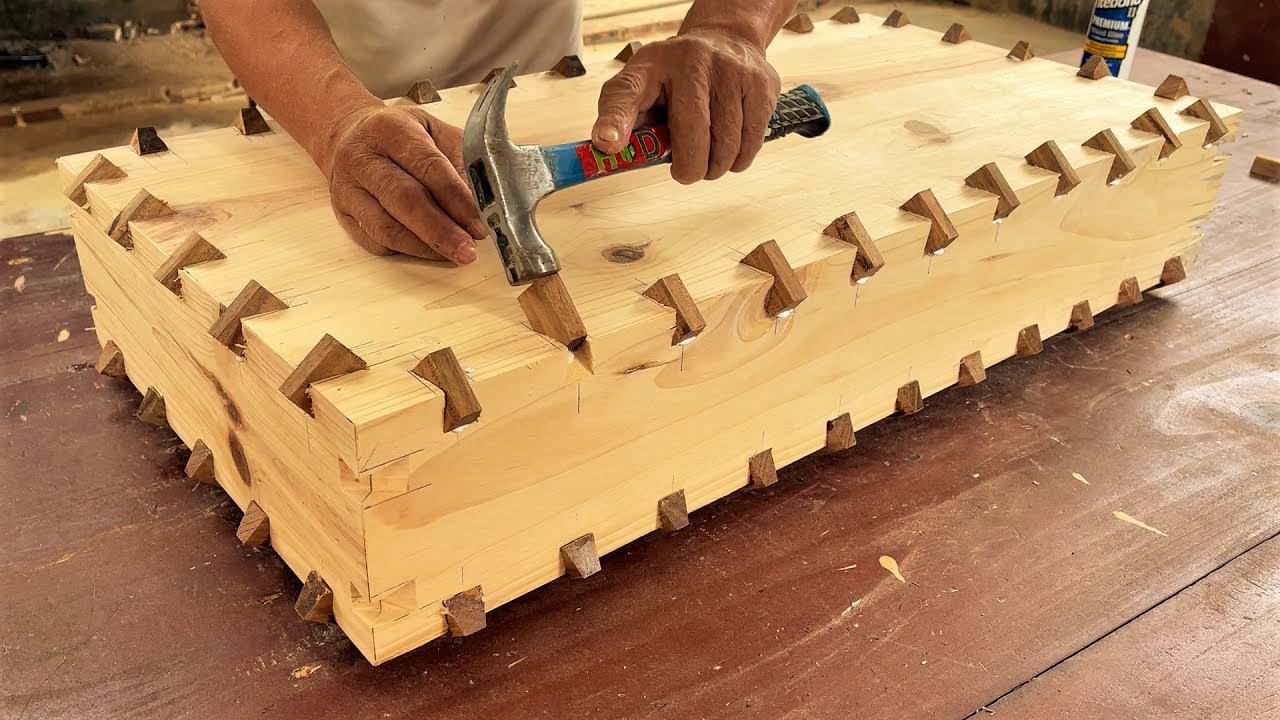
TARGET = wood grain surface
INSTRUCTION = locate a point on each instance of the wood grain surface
(128, 594)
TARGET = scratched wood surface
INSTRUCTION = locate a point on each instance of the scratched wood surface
(1012, 565)
(1210, 651)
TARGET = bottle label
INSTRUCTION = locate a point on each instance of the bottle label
(1109, 28)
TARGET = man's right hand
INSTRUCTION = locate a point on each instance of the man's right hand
(395, 178)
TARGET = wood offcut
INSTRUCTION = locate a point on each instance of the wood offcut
(942, 232)
(550, 311)
(867, 259)
(787, 292)
(1265, 167)
(315, 602)
(580, 557)
(1121, 162)
(193, 251)
(671, 292)
(328, 359)
(253, 300)
(442, 369)
(673, 513)
(464, 613)
(255, 527)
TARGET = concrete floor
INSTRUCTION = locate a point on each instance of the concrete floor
(31, 197)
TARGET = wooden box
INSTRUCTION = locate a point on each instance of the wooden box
(423, 443)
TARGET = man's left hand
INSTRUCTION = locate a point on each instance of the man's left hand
(718, 91)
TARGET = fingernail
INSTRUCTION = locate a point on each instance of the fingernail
(609, 134)
(478, 230)
(466, 253)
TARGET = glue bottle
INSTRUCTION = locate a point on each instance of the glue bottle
(1113, 33)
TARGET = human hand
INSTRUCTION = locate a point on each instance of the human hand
(395, 179)
(718, 91)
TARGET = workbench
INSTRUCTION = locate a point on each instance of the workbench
(1023, 592)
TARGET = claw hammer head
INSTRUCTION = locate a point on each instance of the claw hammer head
(508, 181)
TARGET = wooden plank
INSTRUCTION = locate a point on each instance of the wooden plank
(1217, 638)
(580, 369)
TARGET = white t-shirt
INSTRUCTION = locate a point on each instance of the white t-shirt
(391, 44)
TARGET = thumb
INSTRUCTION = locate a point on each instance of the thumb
(632, 91)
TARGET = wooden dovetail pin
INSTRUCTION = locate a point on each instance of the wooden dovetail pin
(1095, 68)
(1130, 293)
(1265, 167)
(550, 311)
(840, 434)
(1021, 50)
(110, 361)
(1081, 317)
(799, 24)
(673, 513)
(847, 15)
(99, 169)
(569, 66)
(956, 34)
(867, 259)
(1029, 342)
(423, 92)
(143, 206)
(251, 122)
(897, 19)
(942, 232)
(252, 300)
(580, 558)
(909, 401)
(152, 410)
(761, 472)
(1122, 163)
(495, 73)
(315, 602)
(200, 464)
(255, 526)
(145, 141)
(1049, 157)
(441, 369)
(671, 292)
(628, 50)
(988, 178)
(1172, 88)
(1153, 122)
(328, 359)
(464, 612)
(787, 292)
(194, 250)
(972, 371)
(1173, 272)
(1202, 110)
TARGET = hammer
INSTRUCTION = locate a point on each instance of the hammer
(509, 180)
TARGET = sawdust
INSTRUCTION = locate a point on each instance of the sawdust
(20, 284)
(1121, 515)
(891, 565)
(1079, 477)
(305, 670)
(63, 334)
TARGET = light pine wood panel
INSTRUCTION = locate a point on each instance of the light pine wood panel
(399, 516)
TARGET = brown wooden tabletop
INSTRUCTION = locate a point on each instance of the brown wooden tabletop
(126, 594)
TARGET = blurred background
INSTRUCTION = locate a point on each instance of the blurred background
(82, 74)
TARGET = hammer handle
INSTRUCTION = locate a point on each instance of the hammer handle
(799, 110)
